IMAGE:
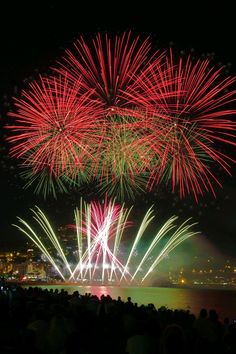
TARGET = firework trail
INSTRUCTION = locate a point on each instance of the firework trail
(195, 120)
(55, 128)
(108, 66)
(125, 118)
(100, 230)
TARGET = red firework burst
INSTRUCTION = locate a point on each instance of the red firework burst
(57, 128)
(193, 120)
(109, 66)
(124, 118)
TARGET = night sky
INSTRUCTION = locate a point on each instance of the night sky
(33, 36)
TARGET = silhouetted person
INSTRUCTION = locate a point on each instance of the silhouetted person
(173, 340)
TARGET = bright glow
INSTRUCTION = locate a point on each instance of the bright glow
(106, 252)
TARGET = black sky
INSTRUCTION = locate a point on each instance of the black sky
(34, 34)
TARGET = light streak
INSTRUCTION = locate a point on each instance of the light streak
(100, 236)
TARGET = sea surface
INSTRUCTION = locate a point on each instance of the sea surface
(223, 301)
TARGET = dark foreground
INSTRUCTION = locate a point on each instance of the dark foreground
(42, 321)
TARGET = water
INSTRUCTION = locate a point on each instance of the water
(223, 301)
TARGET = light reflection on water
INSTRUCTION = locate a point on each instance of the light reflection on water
(223, 301)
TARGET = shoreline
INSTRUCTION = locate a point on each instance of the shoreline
(76, 284)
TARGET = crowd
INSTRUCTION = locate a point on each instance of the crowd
(37, 321)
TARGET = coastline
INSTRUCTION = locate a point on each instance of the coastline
(75, 284)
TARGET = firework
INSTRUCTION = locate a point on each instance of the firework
(108, 67)
(192, 123)
(124, 161)
(125, 118)
(55, 128)
(98, 253)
